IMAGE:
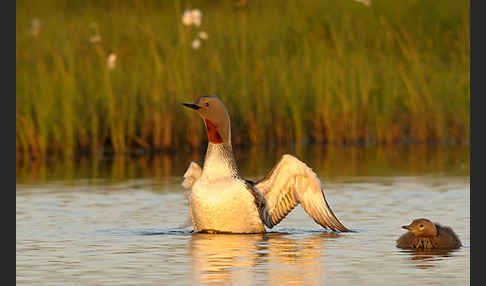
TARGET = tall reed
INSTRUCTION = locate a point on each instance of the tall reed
(326, 71)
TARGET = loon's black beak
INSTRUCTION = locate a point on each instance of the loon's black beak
(191, 105)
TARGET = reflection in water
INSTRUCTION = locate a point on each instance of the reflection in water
(231, 258)
(422, 258)
(327, 161)
(224, 257)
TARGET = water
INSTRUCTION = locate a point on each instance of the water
(122, 222)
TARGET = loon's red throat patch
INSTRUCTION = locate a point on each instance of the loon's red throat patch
(213, 135)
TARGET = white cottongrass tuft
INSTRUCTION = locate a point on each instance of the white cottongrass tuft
(35, 26)
(196, 17)
(203, 35)
(192, 17)
(196, 44)
(187, 18)
(111, 61)
(364, 2)
(95, 39)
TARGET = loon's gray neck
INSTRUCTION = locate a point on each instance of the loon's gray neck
(219, 162)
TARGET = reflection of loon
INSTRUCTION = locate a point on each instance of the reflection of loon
(272, 257)
(425, 258)
(222, 201)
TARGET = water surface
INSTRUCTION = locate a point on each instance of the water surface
(124, 221)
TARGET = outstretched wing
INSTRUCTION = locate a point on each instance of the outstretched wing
(292, 182)
(191, 175)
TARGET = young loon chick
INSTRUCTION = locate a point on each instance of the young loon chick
(423, 234)
(222, 201)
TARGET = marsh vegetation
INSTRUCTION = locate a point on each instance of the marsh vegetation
(94, 76)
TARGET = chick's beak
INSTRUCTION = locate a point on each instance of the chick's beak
(406, 227)
(191, 105)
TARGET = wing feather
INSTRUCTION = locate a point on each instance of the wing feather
(192, 173)
(292, 182)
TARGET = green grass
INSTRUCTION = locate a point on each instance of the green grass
(289, 71)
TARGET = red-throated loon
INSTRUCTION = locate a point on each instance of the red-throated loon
(222, 201)
(425, 235)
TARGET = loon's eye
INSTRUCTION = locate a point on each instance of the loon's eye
(207, 104)
(421, 225)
